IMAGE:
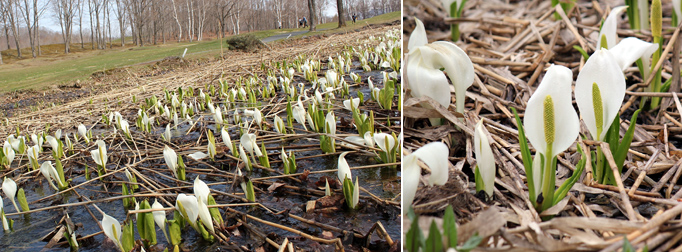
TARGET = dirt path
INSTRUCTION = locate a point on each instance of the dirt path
(110, 92)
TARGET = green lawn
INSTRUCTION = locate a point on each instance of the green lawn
(59, 68)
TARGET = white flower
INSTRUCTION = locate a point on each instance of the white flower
(386, 142)
(191, 207)
(160, 217)
(249, 142)
(201, 190)
(257, 116)
(125, 127)
(550, 122)
(218, 116)
(299, 113)
(83, 132)
(33, 152)
(279, 125)
(423, 68)
(112, 229)
(434, 155)
(37, 140)
(9, 187)
(16, 142)
(50, 173)
(330, 123)
(609, 28)
(484, 158)
(8, 152)
(630, 50)
(369, 141)
(205, 215)
(167, 133)
(171, 159)
(100, 154)
(5, 224)
(601, 80)
(351, 104)
(343, 168)
(226, 139)
(198, 155)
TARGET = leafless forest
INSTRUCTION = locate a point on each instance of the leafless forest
(31, 23)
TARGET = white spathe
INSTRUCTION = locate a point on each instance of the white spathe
(191, 206)
(198, 155)
(424, 62)
(201, 190)
(435, 156)
(351, 104)
(171, 159)
(100, 154)
(343, 168)
(600, 68)
(112, 229)
(630, 50)
(484, 158)
(610, 27)
(386, 142)
(556, 85)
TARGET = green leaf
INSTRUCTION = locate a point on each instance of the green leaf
(568, 184)
(471, 243)
(582, 51)
(128, 237)
(21, 196)
(450, 227)
(434, 243)
(624, 146)
(613, 134)
(175, 232)
(414, 239)
(215, 212)
(627, 246)
(250, 194)
(525, 154)
(478, 179)
(348, 187)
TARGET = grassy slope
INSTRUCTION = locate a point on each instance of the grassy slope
(55, 68)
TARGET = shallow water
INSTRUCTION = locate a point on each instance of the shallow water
(383, 182)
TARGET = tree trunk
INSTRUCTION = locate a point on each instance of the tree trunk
(342, 16)
(311, 12)
(13, 24)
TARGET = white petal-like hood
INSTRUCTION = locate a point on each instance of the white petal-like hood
(557, 85)
(610, 27)
(344, 169)
(484, 158)
(423, 68)
(630, 50)
(600, 68)
(171, 159)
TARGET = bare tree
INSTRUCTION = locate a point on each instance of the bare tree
(202, 20)
(223, 9)
(12, 16)
(65, 10)
(311, 12)
(177, 20)
(80, 21)
(342, 17)
(139, 13)
(120, 16)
